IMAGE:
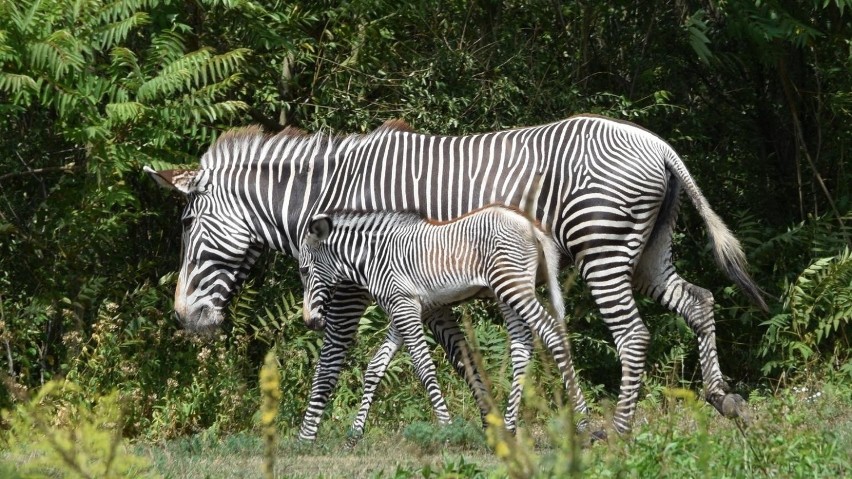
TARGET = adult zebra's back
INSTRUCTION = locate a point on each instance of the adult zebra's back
(607, 190)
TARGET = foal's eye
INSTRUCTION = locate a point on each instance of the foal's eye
(303, 270)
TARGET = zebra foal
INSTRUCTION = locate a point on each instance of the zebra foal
(411, 265)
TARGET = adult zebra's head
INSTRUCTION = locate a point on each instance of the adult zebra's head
(217, 249)
(318, 270)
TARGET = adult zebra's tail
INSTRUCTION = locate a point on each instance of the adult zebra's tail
(726, 247)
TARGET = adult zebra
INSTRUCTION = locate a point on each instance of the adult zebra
(608, 193)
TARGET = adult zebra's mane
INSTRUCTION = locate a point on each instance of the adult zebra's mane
(233, 146)
(228, 149)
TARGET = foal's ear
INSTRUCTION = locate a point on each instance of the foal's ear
(320, 227)
(184, 181)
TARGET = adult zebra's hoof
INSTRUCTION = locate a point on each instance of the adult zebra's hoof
(734, 406)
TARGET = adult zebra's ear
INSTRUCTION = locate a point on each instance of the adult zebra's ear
(319, 227)
(185, 181)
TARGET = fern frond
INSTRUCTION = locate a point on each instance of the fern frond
(213, 91)
(163, 85)
(23, 19)
(121, 9)
(166, 47)
(188, 62)
(114, 33)
(221, 66)
(817, 310)
(125, 111)
(14, 83)
(57, 53)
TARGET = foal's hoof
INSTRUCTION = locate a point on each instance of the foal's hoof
(599, 435)
(352, 441)
(353, 437)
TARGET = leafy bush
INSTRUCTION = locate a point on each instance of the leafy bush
(814, 325)
(59, 433)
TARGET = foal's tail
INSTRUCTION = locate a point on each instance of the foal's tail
(551, 262)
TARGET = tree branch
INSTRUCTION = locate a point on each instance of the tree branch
(39, 171)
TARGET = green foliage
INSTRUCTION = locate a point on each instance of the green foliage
(271, 395)
(429, 438)
(450, 468)
(814, 325)
(59, 433)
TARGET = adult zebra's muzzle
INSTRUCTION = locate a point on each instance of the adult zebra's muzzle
(315, 320)
(314, 315)
(202, 319)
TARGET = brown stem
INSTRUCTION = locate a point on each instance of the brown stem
(800, 141)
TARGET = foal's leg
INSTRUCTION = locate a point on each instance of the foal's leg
(373, 375)
(405, 314)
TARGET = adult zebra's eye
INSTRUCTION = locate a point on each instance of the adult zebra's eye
(303, 270)
(187, 222)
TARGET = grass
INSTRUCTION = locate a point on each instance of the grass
(379, 453)
(795, 433)
(792, 435)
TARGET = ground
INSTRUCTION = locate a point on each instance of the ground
(794, 433)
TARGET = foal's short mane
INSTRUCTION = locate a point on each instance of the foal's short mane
(349, 218)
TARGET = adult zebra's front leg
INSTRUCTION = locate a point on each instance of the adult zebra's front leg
(342, 315)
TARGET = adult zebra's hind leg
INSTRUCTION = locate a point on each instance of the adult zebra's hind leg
(613, 294)
(656, 277)
(343, 313)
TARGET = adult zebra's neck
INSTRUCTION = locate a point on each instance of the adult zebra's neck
(272, 182)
